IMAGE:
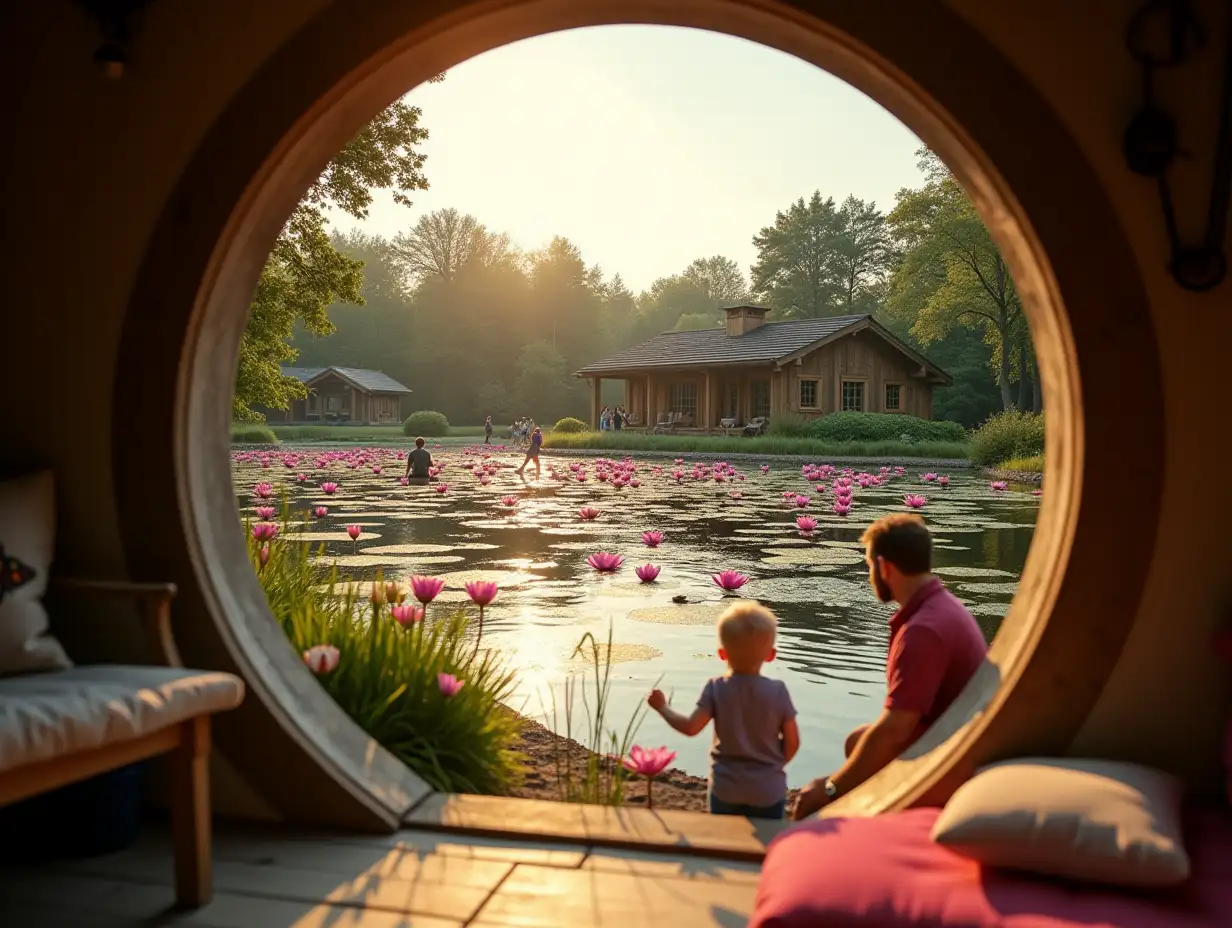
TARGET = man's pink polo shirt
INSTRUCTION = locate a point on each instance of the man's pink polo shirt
(935, 648)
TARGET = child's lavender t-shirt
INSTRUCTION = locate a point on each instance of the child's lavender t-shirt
(746, 758)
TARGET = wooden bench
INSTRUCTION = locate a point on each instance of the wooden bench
(63, 726)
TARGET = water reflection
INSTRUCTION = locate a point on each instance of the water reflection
(833, 632)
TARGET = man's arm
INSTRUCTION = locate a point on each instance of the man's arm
(688, 725)
(911, 691)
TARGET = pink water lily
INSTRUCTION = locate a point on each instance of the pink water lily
(263, 555)
(481, 592)
(449, 685)
(802, 502)
(264, 531)
(765, 468)
(509, 501)
(426, 589)
(647, 573)
(943, 480)
(406, 615)
(1037, 492)
(648, 763)
(914, 501)
(588, 513)
(998, 485)
(404, 481)
(322, 658)
(354, 531)
(806, 524)
(265, 513)
(604, 562)
(652, 539)
(329, 488)
(730, 580)
(321, 512)
(735, 494)
(841, 507)
(263, 490)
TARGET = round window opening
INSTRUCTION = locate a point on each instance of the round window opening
(1030, 186)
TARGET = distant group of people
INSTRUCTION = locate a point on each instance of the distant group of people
(613, 419)
(521, 428)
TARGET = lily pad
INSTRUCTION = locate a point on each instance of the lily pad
(689, 614)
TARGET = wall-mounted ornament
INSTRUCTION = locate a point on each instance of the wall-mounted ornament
(116, 20)
(1163, 34)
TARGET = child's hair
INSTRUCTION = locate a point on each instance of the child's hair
(746, 624)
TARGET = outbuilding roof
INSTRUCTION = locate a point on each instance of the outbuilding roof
(366, 380)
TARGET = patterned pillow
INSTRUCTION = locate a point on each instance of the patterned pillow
(27, 540)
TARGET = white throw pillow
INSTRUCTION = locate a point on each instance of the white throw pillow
(27, 542)
(1097, 820)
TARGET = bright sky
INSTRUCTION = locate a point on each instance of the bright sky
(646, 146)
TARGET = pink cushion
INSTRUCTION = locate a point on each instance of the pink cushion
(885, 872)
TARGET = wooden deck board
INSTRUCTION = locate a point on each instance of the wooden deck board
(273, 878)
(547, 897)
(684, 833)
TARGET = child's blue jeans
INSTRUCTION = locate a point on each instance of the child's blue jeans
(776, 811)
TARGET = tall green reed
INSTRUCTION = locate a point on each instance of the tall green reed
(387, 677)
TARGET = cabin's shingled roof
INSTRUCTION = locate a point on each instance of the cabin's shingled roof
(370, 381)
(766, 344)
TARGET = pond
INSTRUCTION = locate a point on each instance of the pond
(528, 536)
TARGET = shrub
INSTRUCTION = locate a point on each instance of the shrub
(1032, 465)
(790, 425)
(570, 425)
(426, 422)
(386, 679)
(248, 433)
(1009, 434)
(880, 426)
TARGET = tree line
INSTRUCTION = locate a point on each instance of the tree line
(477, 326)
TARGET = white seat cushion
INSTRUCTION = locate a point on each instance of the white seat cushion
(49, 715)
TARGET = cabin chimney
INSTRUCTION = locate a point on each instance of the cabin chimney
(744, 319)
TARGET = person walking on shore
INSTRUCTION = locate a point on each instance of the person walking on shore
(487, 431)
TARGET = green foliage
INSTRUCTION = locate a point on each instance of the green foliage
(707, 444)
(1006, 435)
(386, 680)
(427, 423)
(305, 274)
(952, 273)
(600, 780)
(819, 259)
(1031, 465)
(867, 426)
(569, 424)
(246, 433)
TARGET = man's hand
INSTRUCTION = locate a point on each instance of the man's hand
(657, 700)
(812, 799)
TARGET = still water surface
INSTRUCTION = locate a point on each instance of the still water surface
(832, 631)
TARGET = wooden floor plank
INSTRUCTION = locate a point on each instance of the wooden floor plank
(728, 836)
(441, 885)
(640, 863)
(148, 907)
(548, 897)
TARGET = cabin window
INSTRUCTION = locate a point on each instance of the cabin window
(313, 402)
(731, 400)
(333, 403)
(893, 397)
(759, 393)
(853, 396)
(682, 398)
(808, 394)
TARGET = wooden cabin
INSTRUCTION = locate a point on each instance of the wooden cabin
(343, 394)
(752, 369)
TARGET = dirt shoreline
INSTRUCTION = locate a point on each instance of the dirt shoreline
(673, 789)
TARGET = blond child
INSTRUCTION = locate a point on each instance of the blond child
(755, 730)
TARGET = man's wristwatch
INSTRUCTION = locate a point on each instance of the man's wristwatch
(830, 789)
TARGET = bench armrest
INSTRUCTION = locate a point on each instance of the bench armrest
(153, 598)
